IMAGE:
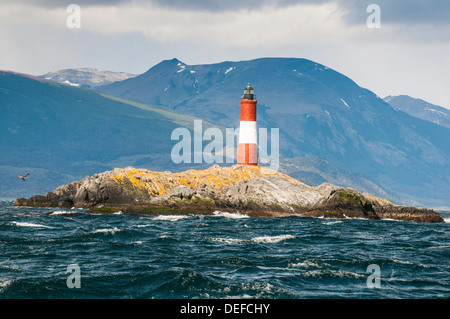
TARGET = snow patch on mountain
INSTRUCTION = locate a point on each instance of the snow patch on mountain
(345, 103)
(89, 77)
(230, 69)
(70, 83)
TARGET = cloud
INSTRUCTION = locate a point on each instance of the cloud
(233, 22)
(51, 4)
(393, 11)
(411, 12)
(132, 36)
(230, 5)
(267, 23)
(267, 26)
(190, 5)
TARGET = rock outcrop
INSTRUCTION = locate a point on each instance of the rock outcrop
(252, 190)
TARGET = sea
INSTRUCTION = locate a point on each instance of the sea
(50, 253)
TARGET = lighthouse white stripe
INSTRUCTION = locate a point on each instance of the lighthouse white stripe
(247, 132)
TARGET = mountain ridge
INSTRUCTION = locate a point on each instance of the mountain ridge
(86, 77)
(421, 109)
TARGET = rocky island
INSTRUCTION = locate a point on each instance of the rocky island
(250, 190)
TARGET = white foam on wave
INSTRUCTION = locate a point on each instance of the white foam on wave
(447, 220)
(405, 262)
(333, 273)
(360, 218)
(271, 239)
(332, 222)
(107, 230)
(260, 288)
(305, 264)
(141, 225)
(171, 218)
(230, 215)
(228, 241)
(4, 285)
(392, 220)
(23, 224)
(61, 212)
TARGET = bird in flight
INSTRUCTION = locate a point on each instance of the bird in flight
(23, 177)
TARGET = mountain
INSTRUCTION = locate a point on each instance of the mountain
(86, 77)
(420, 108)
(319, 111)
(60, 133)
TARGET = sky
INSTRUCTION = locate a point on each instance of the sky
(408, 53)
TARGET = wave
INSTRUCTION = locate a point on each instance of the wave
(168, 237)
(404, 262)
(230, 215)
(447, 220)
(189, 283)
(171, 218)
(4, 285)
(142, 225)
(228, 241)
(326, 273)
(357, 218)
(263, 290)
(332, 222)
(271, 239)
(62, 212)
(107, 230)
(392, 219)
(259, 239)
(305, 264)
(23, 224)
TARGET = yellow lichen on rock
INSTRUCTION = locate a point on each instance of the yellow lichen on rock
(118, 178)
(161, 183)
(137, 182)
(377, 200)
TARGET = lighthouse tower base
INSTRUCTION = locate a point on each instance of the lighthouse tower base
(247, 154)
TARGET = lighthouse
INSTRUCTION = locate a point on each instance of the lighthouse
(248, 144)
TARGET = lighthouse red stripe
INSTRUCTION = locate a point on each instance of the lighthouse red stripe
(248, 110)
(247, 154)
(247, 151)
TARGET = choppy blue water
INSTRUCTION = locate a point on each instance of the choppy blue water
(220, 256)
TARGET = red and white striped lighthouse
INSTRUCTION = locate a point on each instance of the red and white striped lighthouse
(248, 144)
